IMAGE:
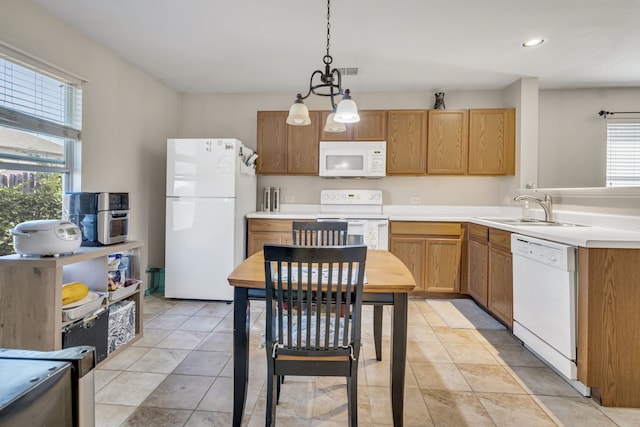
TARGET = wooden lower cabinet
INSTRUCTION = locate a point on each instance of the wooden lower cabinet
(490, 281)
(608, 318)
(478, 266)
(500, 290)
(431, 251)
(268, 231)
(412, 252)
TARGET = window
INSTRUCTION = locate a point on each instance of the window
(40, 122)
(623, 154)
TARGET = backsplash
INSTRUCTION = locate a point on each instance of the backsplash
(431, 190)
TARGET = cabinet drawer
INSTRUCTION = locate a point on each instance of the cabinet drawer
(258, 224)
(500, 238)
(478, 233)
(426, 228)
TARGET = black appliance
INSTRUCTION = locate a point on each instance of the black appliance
(102, 217)
(47, 388)
(92, 330)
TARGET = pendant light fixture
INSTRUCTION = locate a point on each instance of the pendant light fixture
(326, 83)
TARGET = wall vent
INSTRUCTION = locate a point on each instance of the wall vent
(349, 71)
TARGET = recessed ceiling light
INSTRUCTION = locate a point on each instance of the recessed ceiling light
(533, 42)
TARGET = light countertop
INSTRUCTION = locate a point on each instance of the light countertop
(289, 211)
(587, 236)
(599, 231)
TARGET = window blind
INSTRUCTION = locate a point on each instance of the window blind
(40, 116)
(623, 154)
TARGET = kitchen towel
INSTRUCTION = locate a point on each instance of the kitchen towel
(248, 163)
(463, 314)
(370, 231)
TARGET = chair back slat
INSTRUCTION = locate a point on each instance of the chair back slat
(320, 233)
(305, 290)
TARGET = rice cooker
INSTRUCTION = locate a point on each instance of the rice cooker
(46, 237)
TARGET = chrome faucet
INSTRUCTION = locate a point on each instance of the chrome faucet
(546, 204)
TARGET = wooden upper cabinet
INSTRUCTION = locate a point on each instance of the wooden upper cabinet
(407, 142)
(492, 142)
(284, 149)
(303, 147)
(272, 142)
(419, 142)
(448, 142)
(371, 127)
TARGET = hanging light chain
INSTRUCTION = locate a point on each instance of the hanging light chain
(330, 85)
(328, 25)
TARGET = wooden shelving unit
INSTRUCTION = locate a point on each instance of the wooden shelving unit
(31, 293)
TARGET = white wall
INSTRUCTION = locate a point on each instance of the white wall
(126, 116)
(573, 136)
(235, 116)
(572, 148)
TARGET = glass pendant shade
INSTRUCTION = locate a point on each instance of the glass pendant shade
(347, 111)
(333, 126)
(298, 114)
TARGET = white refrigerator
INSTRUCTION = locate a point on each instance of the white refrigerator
(211, 186)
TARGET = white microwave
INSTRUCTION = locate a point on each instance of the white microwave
(362, 159)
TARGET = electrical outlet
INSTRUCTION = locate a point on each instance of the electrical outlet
(416, 200)
(289, 199)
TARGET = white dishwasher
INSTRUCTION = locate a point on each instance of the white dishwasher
(544, 303)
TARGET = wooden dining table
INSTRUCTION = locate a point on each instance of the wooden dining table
(388, 283)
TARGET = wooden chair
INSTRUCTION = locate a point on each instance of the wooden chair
(320, 233)
(305, 334)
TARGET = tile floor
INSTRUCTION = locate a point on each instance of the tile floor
(180, 374)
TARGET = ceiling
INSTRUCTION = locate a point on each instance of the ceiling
(273, 46)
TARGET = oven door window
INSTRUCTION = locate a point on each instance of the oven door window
(355, 239)
(119, 227)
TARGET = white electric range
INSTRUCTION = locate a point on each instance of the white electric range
(362, 209)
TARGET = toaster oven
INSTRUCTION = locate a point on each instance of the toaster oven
(102, 217)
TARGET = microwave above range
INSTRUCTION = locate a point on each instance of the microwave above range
(353, 159)
(103, 218)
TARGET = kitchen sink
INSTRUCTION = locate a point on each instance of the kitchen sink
(532, 222)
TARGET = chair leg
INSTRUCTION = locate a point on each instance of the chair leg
(272, 395)
(352, 397)
(279, 380)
